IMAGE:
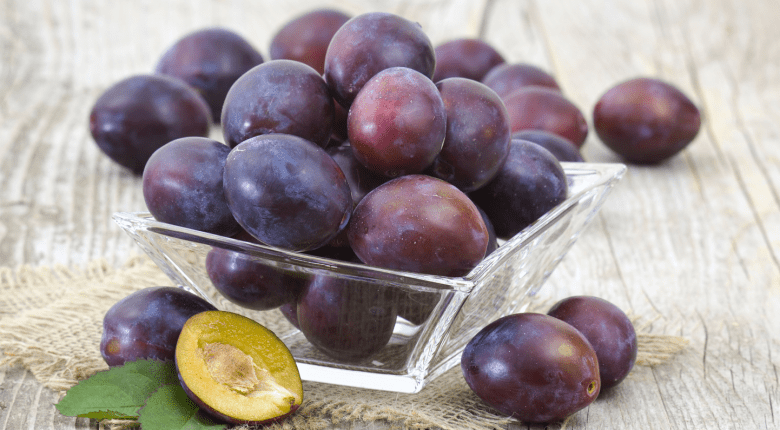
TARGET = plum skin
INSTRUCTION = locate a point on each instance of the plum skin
(477, 140)
(276, 186)
(306, 38)
(182, 185)
(278, 96)
(420, 224)
(507, 78)
(562, 148)
(397, 123)
(347, 319)
(530, 183)
(646, 120)
(249, 283)
(609, 331)
(468, 58)
(209, 60)
(543, 108)
(369, 43)
(146, 324)
(532, 367)
(141, 113)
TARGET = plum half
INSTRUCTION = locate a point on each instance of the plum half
(237, 370)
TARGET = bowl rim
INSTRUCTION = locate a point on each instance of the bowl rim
(602, 174)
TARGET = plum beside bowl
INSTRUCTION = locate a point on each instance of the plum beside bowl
(423, 344)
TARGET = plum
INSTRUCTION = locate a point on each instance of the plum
(607, 328)
(286, 191)
(182, 185)
(369, 43)
(209, 60)
(347, 319)
(305, 38)
(252, 283)
(563, 149)
(397, 123)
(530, 183)
(421, 224)
(532, 367)
(468, 58)
(477, 139)
(507, 78)
(278, 96)
(236, 370)
(147, 323)
(139, 114)
(646, 120)
(543, 108)
(492, 238)
(290, 311)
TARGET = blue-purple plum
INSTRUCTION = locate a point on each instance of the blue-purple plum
(139, 114)
(146, 324)
(182, 185)
(209, 60)
(286, 191)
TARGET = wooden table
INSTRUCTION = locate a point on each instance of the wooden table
(692, 244)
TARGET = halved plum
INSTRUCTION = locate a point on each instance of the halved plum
(237, 370)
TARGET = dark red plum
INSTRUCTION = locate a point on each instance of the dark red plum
(465, 58)
(563, 149)
(546, 109)
(420, 224)
(347, 319)
(609, 331)
(251, 283)
(286, 191)
(530, 183)
(209, 60)
(507, 78)
(146, 324)
(398, 122)
(278, 96)
(477, 139)
(646, 120)
(532, 367)
(139, 114)
(306, 38)
(369, 43)
(182, 185)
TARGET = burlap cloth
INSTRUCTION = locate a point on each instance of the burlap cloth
(51, 323)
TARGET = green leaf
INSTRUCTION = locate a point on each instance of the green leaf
(117, 393)
(169, 408)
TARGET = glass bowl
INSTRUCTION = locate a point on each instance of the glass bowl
(431, 317)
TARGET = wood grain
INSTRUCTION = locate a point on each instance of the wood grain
(692, 245)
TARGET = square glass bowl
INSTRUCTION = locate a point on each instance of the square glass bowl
(432, 318)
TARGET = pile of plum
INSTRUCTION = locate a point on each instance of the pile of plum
(359, 140)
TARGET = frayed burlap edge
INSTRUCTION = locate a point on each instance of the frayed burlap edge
(37, 301)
